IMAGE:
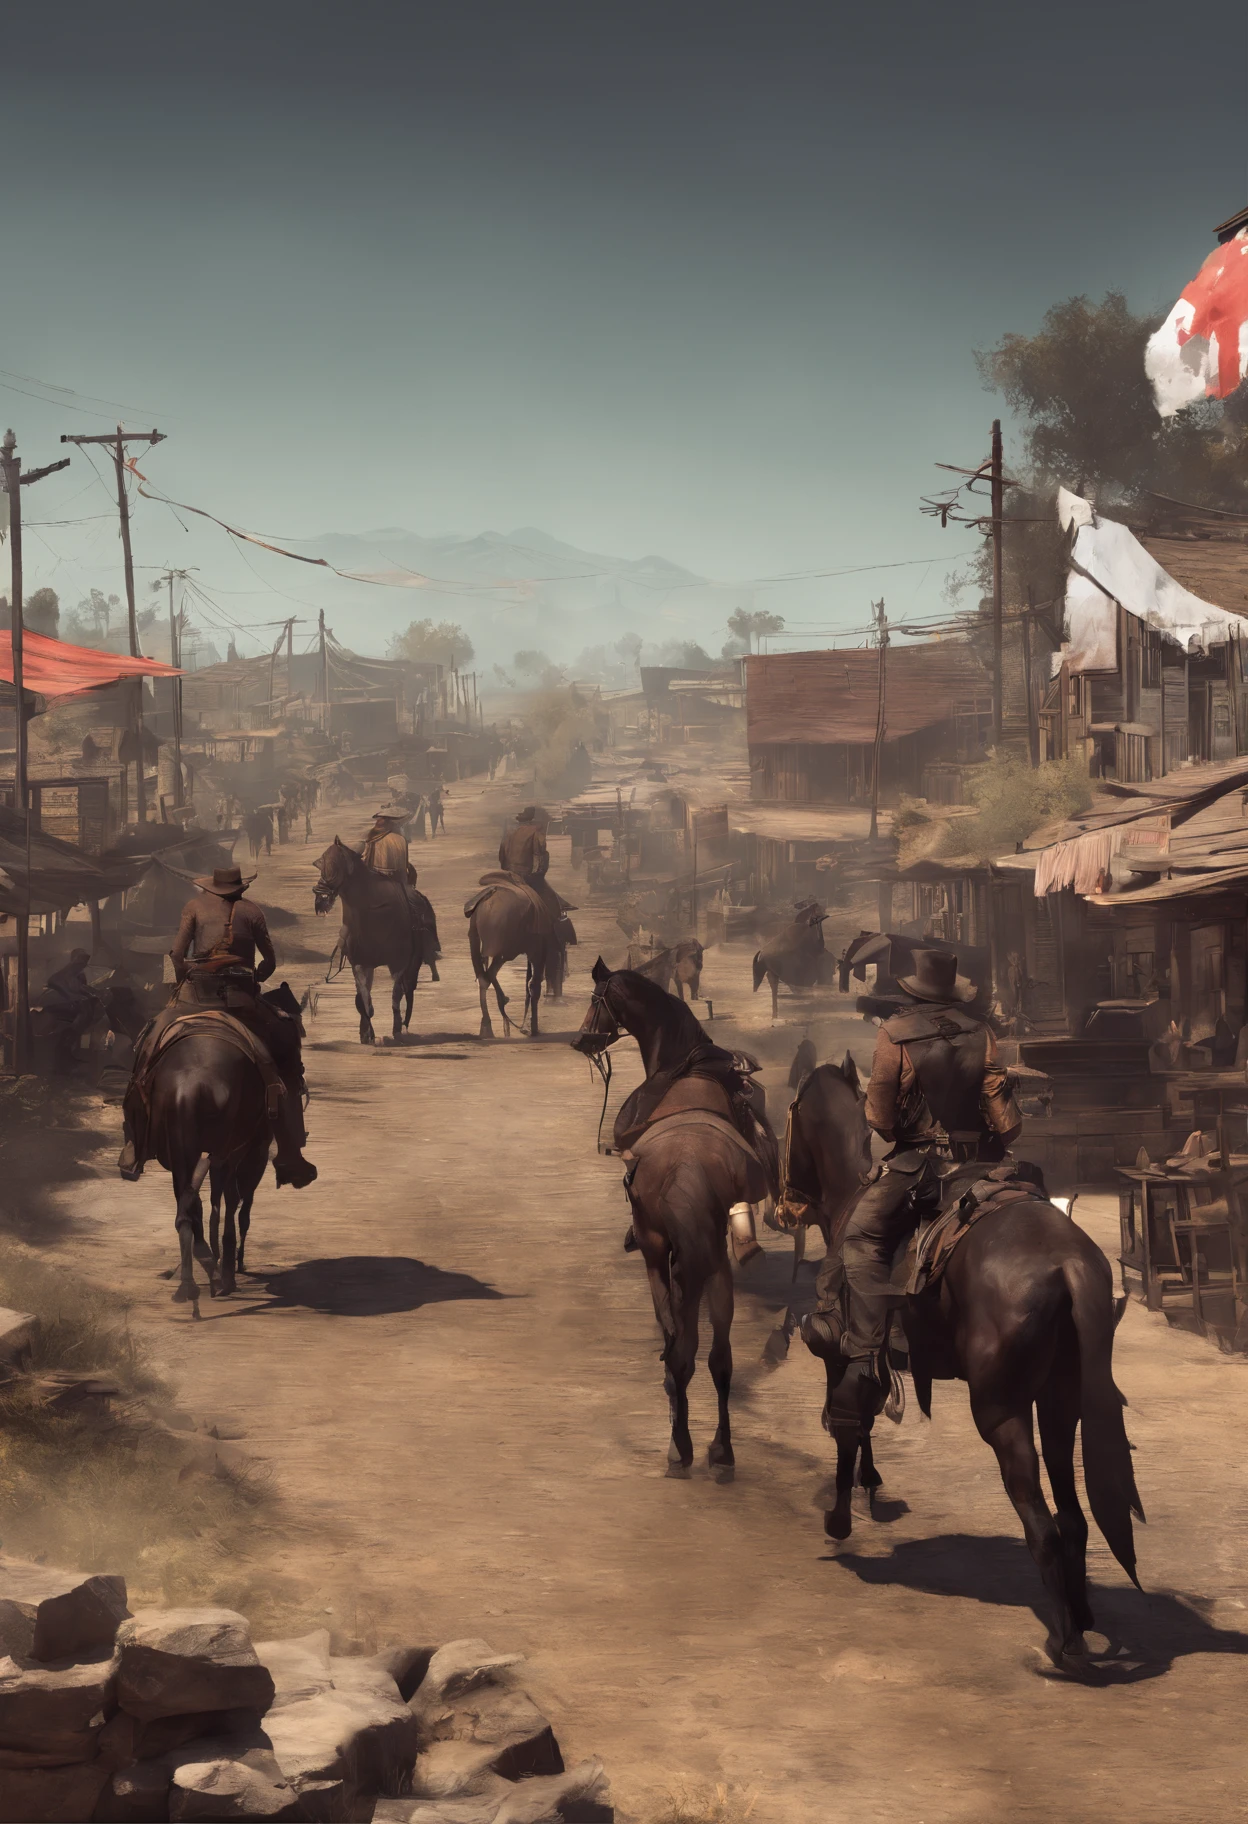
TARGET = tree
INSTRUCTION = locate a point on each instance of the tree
(91, 622)
(752, 625)
(42, 613)
(424, 643)
(530, 662)
(1079, 388)
(629, 648)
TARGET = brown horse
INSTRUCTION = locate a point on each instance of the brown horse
(681, 966)
(796, 956)
(378, 931)
(1024, 1314)
(503, 924)
(687, 1177)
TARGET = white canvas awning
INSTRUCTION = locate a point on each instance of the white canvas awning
(1110, 567)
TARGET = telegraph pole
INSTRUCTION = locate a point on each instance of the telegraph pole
(998, 503)
(117, 441)
(324, 672)
(881, 628)
(290, 658)
(175, 658)
(14, 481)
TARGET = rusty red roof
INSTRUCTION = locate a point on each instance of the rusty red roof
(828, 697)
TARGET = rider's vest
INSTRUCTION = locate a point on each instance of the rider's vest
(948, 1052)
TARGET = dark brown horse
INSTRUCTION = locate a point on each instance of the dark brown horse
(207, 1113)
(795, 956)
(1024, 1314)
(504, 924)
(378, 931)
(687, 1177)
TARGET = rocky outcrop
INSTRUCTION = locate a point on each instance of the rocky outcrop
(172, 1714)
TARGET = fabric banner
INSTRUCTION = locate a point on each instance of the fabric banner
(52, 668)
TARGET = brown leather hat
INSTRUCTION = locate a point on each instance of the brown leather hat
(228, 882)
(936, 978)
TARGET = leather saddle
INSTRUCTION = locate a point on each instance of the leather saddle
(501, 877)
(934, 1243)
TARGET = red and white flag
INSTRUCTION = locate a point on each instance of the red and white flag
(1201, 350)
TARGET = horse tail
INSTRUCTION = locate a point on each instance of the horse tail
(474, 949)
(760, 970)
(1107, 1468)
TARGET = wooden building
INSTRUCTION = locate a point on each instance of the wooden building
(812, 719)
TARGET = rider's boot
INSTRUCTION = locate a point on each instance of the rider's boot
(290, 1166)
(742, 1233)
(128, 1162)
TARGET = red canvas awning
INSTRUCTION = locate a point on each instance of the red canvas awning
(53, 669)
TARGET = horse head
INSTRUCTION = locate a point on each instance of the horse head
(335, 867)
(600, 1028)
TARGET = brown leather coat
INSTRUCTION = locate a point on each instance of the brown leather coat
(203, 928)
(523, 850)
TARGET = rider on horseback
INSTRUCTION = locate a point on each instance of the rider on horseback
(938, 1092)
(523, 852)
(385, 851)
(214, 959)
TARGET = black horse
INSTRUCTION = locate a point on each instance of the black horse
(1024, 1314)
(692, 1166)
(378, 931)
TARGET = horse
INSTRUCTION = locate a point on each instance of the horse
(686, 1179)
(207, 1112)
(377, 931)
(795, 956)
(681, 965)
(1024, 1313)
(503, 924)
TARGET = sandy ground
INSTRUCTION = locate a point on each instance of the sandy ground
(450, 1367)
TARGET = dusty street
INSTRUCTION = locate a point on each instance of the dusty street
(451, 1368)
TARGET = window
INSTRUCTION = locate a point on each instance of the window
(1221, 718)
(1077, 694)
(1150, 667)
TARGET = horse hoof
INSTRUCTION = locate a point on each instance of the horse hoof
(838, 1523)
(183, 1296)
(680, 1456)
(720, 1456)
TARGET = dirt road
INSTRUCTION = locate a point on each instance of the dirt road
(451, 1367)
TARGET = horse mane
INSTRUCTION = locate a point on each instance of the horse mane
(669, 1011)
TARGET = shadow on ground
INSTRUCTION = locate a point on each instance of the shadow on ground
(366, 1285)
(1146, 1630)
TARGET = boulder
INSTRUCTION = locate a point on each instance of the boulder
(353, 1728)
(124, 1739)
(299, 1667)
(246, 1785)
(51, 1795)
(437, 1811)
(507, 1721)
(136, 1795)
(47, 1709)
(407, 1666)
(455, 1770)
(460, 1666)
(577, 1797)
(67, 1751)
(51, 1614)
(18, 1330)
(176, 1662)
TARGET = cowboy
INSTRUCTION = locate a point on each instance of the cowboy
(938, 1093)
(214, 960)
(385, 851)
(523, 852)
(70, 1000)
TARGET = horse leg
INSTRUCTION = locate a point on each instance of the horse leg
(838, 1522)
(868, 1475)
(398, 987)
(214, 1219)
(189, 1219)
(719, 1301)
(534, 994)
(496, 964)
(677, 1355)
(1012, 1439)
(250, 1177)
(364, 1002)
(1057, 1410)
(229, 1251)
(773, 982)
(483, 984)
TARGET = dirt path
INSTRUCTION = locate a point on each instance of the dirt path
(451, 1367)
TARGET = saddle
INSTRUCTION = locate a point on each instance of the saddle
(934, 1243)
(501, 877)
(712, 1088)
(225, 1026)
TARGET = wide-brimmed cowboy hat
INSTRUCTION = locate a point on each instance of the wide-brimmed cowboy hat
(527, 815)
(393, 813)
(226, 881)
(936, 978)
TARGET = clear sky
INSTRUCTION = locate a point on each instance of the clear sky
(695, 279)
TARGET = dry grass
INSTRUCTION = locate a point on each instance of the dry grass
(119, 1492)
(704, 1805)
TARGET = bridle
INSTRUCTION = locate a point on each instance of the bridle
(599, 1033)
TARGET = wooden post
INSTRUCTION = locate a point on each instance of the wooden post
(881, 621)
(290, 657)
(1033, 726)
(175, 658)
(998, 499)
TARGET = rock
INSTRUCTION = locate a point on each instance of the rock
(18, 1330)
(69, 1750)
(453, 1770)
(299, 1667)
(51, 1614)
(407, 1666)
(577, 1797)
(51, 1795)
(460, 1666)
(437, 1811)
(509, 1722)
(125, 1739)
(49, 1708)
(247, 1785)
(176, 1662)
(136, 1795)
(355, 1729)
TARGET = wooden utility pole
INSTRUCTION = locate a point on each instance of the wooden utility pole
(324, 678)
(1033, 726)
(14, 481)
(881, 627)
(290, 657)
(175, 658)
(998, 501)
(117, 441)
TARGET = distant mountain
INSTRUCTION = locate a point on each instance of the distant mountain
(520, 588)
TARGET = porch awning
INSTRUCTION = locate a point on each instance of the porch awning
(53, 668)
(1178, 886)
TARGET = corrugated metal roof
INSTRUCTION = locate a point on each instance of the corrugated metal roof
(829, 697)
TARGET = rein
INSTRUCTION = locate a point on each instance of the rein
(600, 1061)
